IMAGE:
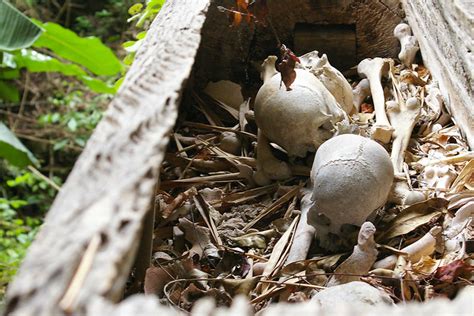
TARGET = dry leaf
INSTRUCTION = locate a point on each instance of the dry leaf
(287, 66)
(452, 271)
(425, 266)
(240, 286)
(414, 216)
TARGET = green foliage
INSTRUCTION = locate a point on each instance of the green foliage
(16, 234)
(19, 217)
(16, 30)
(9, 92)
(13, 150)
(143, 15)
(88, 52)
(78, 120)
(34, 61)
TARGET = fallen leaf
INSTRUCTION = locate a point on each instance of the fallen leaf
(241, 4)
(287, 66)
(259, 11)
(240, 286)
(366, 108)
(452, 271)
(425, 267)
(414, 216)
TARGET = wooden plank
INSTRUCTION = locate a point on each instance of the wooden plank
(445, 31)
(90, 236)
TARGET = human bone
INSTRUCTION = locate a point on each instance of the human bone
(355, 293)
(360, 261)
(401, 193)
(373, 69)
(409, 44)
(424, 246)
(331, 78)
(439, 177)
(360, 93)
(227, 92)
(299, 120)
(230, 142)
(403, 116)
(351, 177)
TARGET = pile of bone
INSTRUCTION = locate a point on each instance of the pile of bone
(360, 162)
(350, 173)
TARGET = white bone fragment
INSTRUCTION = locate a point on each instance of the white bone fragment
(268, 167)
(331, 78)
(351, 177)
(409, 44)
(403, 116)
(230, 142)
(401, 194)
(228, 92)
(439, 178)
(355, 293)
(456, 230)
(360, 261)
(373, 70)
(361, 92)
(304, 233)
(299, 120)
(424, 246)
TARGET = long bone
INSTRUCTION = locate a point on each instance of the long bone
(331, 78)
(409, 44)
(360, 261)
(360, 93)
(373, 70)
(403, 116)
(424, 246)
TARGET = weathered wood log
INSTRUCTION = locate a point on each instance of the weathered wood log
(90, 236)
(445, 31)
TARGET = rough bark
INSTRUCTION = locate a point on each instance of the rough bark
(444, 30)
(90, 236)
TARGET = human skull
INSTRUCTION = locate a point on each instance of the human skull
(301, 119)
(351, 177)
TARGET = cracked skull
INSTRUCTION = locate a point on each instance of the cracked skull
(351, 177)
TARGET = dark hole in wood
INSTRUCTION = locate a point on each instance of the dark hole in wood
(124, 223)
(337, 41)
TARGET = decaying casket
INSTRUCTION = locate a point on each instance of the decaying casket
(102, 222)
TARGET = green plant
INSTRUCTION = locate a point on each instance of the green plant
(57, 44)
(24, 198)
(77, 118)
(143, 15)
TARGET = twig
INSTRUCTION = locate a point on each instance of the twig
(23, 100)
(45, 178)
(69, 299)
